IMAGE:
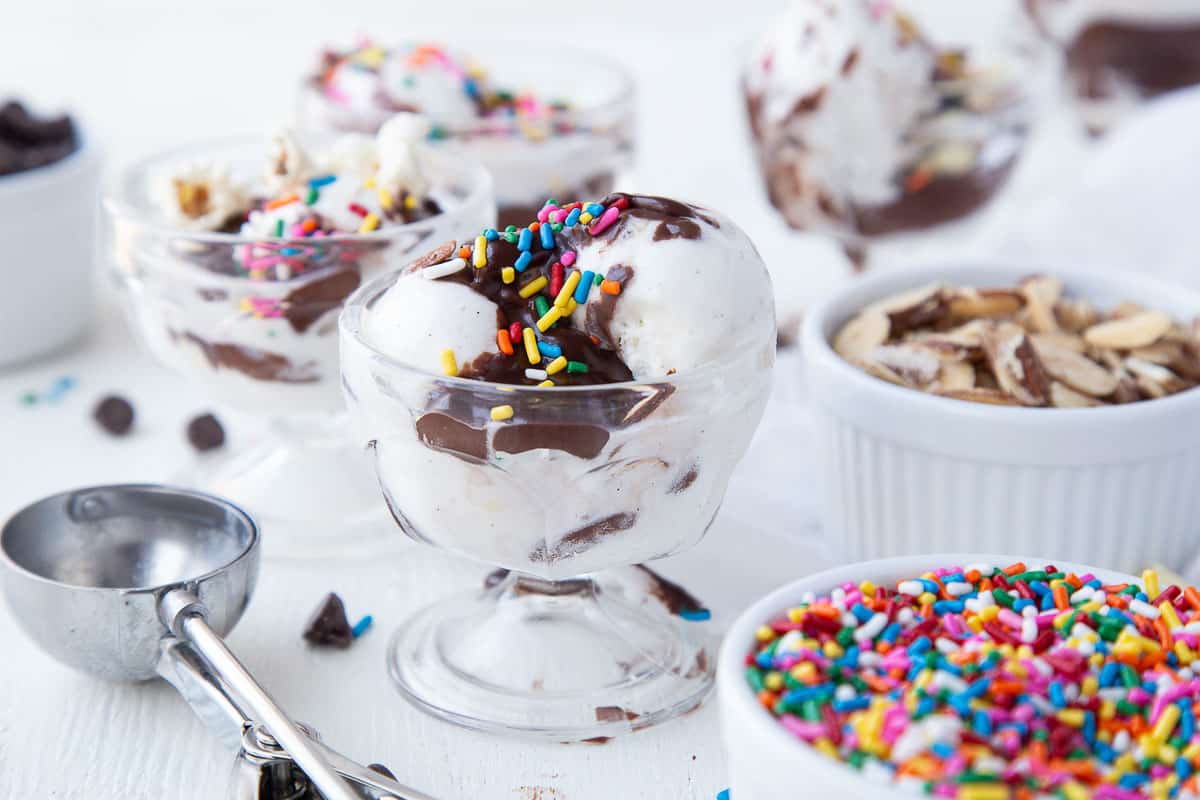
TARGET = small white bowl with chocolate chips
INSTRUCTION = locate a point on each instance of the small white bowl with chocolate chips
(961, 407)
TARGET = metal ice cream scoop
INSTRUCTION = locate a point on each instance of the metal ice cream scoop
(130, 582)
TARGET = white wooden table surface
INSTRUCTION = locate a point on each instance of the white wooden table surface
(145, 74)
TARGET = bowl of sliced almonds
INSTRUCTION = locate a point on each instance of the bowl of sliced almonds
(1052, 410)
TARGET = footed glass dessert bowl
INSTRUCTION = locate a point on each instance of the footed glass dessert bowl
(532, 458)
(240, 295)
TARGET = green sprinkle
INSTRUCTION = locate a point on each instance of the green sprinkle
(542, 305)
(754, 677)
(29, 399)
(845, 636)
(556, 226)
(279, 227)
(313, 194)
(578, 367)
(599, 279)
(510, 229)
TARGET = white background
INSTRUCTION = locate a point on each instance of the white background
(145, 75)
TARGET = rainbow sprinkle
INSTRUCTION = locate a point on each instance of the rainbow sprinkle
(986, 683)
(555, 297)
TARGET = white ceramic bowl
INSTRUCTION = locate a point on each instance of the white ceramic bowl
(905, 472)
(766, 762)
(47, 218)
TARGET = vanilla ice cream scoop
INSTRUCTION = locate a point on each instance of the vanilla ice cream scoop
(630, 288)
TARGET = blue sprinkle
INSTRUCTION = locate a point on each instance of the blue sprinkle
(595, 209)
(723, 794)
(1187, 721)
(490, 234)
(891, 633)
(289, 251)
(948, 606)
(361, 626)
(549, 350)
(979, 688)
(471, 88)
(920, 646)
(862, 612)
(324, 180)
(584, 287)
(525, 240)
(853, 704)
(572, 218)
(1132, 780)
(925, 705)
(1020, 604)
(982, 723)
(698, 615)
(850, 659)
(1048, 602)
(1108, 674)
(1089, 727)
(522, 261)
(930, 586)
(943, 750)
(961, 704)
(1057, 698)
(763, 660)
(1106, 753)
(547, 236)
(1182, 768)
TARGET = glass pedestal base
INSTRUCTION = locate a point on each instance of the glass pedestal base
(310, 489)
(575, 660)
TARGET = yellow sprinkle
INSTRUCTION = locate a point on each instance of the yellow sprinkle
(1150, 582)
(926, 598)
(1089, 686)
(385, 199)
(449, 365)
(867, 588)
(546, 383)
(826, 747)
(983, 791)
(975, 624)
(501, 413)
(552, 316)
(1184, 653)
(795, 615)
(410, 202)
(990, 613)
(531, 350)
(585, 218)
(1075, 791)
(833, 650)
(1168, 754)
(1167, 720)
(480, 259)
(1192, 752)
(764, 633)
(805, 670)
(773, 681)
(533, 287)
(923, 679)
(1073, 717)
(568, 289)
(556, 366)
(370, 222)
(571, 306)
(1169, 615)
(369, 183)
(1108, 709)
(508, 274)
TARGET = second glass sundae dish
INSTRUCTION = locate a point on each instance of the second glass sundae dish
(236, 258)
(563, 400)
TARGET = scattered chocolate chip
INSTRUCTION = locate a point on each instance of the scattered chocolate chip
(115, 414)
(329, 627)
(205, 433)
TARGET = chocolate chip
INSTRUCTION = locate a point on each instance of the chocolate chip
(115, 414)
(205, 433)
(329, 627)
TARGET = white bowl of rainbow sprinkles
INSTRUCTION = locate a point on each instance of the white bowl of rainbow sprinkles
(978, 677)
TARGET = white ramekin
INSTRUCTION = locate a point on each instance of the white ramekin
(766, 762)
(47, 219)
(904, 472)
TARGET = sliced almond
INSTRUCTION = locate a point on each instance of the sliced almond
(966, 339)
(1075, 315)
(1041, 293)
(1125, 309)
(1062, 396)
(1162, 380)
(1075, 370)
(974, 303)
(913, 309)
(877, 370)
(1139, 330)
(861, 335)
(1016, 365)
(993, 397)
(1061, 340)
(956, 376)
(915, 364)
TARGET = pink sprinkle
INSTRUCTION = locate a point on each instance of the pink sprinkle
(264, 263)
(544, 214)
(558, 216)
(606, 220)
(1138, 696)
(1010, 618)
(807, 731)
(568, 258)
